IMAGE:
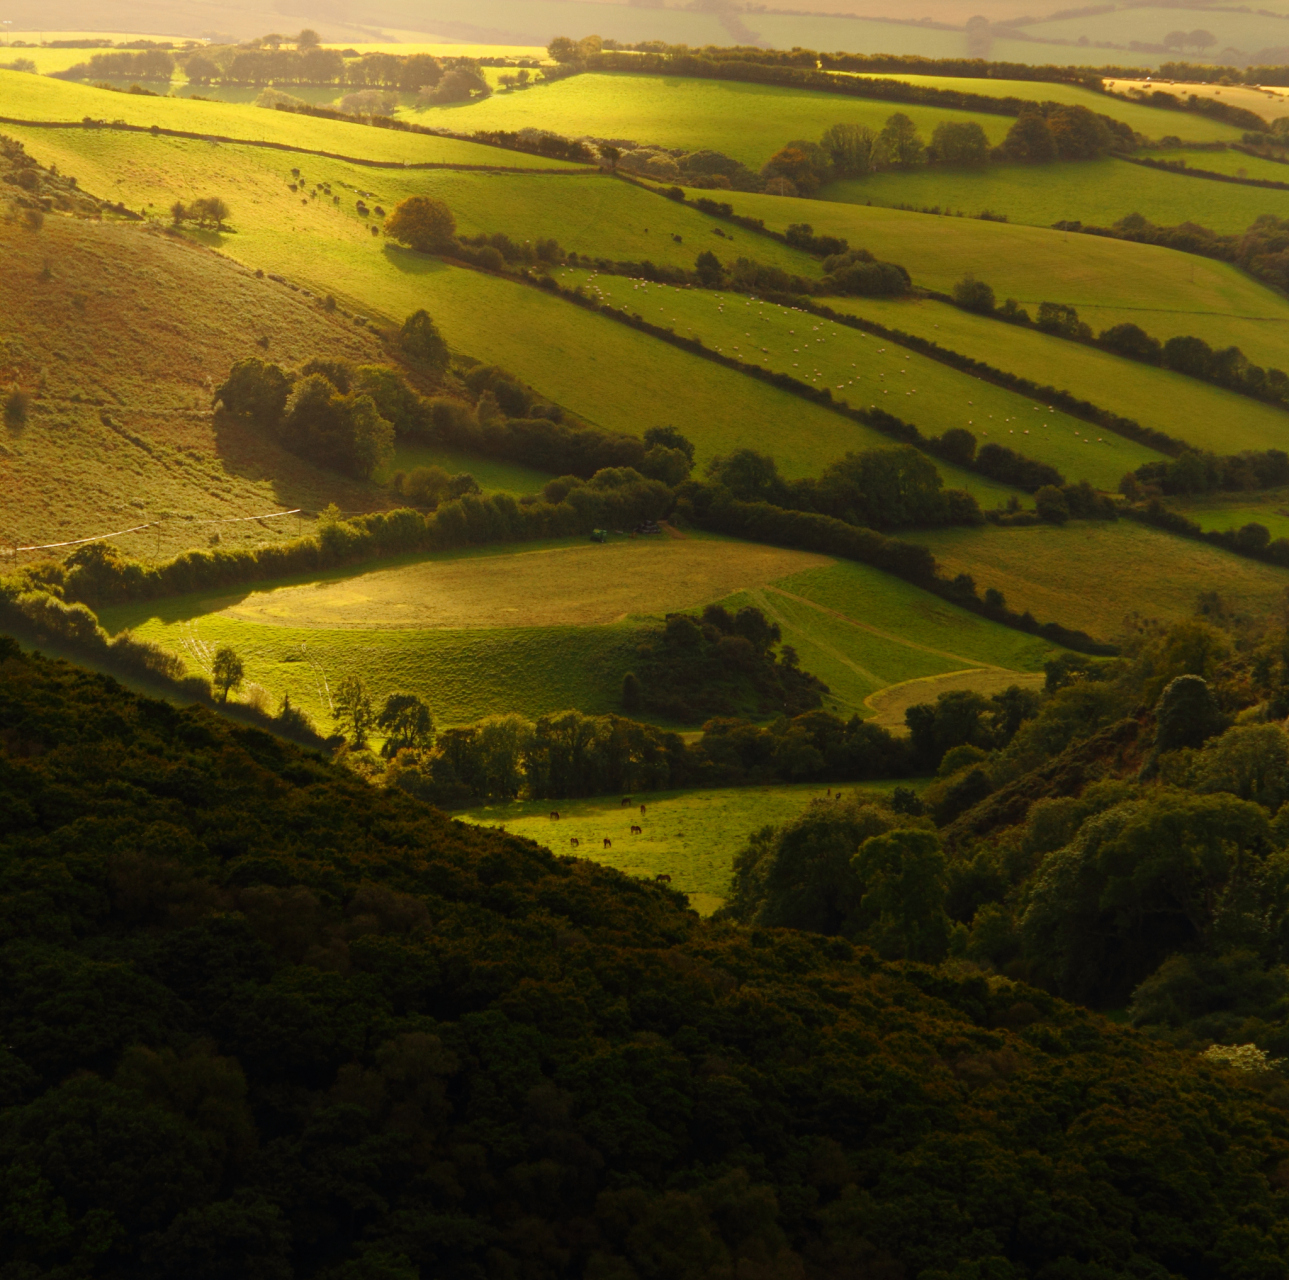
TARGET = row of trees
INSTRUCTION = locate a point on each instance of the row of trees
(1228, 367)
(1041, 133)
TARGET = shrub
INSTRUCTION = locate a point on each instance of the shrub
(421, 342)
(974, 295)
(422, 223)
(17, 408)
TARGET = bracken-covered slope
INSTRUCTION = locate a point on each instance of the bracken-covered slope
(120, 335)
(261, 1020)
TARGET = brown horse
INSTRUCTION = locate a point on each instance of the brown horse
(642, 811)
(554, 815)
(636, 831)
(626, 799)
(575, 842)
(608, 844)
(663, 876)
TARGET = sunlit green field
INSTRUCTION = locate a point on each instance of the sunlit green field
(1233, 511)
(868, 371)
(31, 97)
(1097, 192)
(542, 628)
(1150, 121)
(1110, 281)
(493, 475)
(612, 375)
(1094, 575)
(692, 836)
(1205, 416)
(1236, 163)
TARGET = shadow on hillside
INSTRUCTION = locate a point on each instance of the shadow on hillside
(243, 451)
(412, 263)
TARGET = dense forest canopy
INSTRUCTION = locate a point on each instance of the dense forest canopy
(264, 1020)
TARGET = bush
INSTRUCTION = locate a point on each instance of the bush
(17, 408)
(423, 223)
(974, 295)
(420, 340)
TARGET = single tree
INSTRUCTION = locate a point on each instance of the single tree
(227, 671)
(974, 295)
(422, 343)
(406, 723)
(353, 710)
(631, 693)
(850, 147)
(899, 146)
(1051, 505)
(905, 876)
(1029, 139)
(422, 223)
(961, 143)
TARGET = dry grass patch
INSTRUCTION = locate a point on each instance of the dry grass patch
(889, 705)
(556, 586)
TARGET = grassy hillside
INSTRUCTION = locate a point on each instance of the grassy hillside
(866, 371)
(29, 97)
(749, 122)
(1093, 575)
(1233, 511)
(538, 630)
(1110, 281)
(1150, 121)
(1099, 192)
(691, 836)
(123, 340)
(612, 375)
(1206, 416)
(1235, 163)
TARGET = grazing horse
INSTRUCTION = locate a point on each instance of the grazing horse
(608, 844)
(575, 842)
(554, 815)
(636, 831)
(626, 799)
(642, 811)
(664, 876)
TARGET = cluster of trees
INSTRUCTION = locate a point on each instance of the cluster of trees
(719, 664)
(1206, 472)
(205, 211)
(328, 413)
(1262, 250)
(1065, 847)
(1042, 132)
(143, 64)
(306, 1027)
(874, 488)
(1252, 539)
(1229, 368)
(308, 63)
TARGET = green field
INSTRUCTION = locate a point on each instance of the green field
(691, 836)
(1092, 576)
(613, 376)
(1110, 281)
(29, 97)
(1205, 416)
(1150, 121)
(747, 121)
(1236, 163)
(541, 628)
(1233, 511)
(864, 370)
(493, 475)
(1097, 192)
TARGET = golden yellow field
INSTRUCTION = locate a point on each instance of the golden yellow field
(585, 585)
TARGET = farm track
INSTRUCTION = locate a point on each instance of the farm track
(160, 132)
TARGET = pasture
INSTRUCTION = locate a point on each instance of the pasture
(29, 97)
(749, 122)
(1097, 192)
(536, 629)
(1223, 511)
(1094, 575)
(609, 374)
(1205, 416)
(1153, 122)
(868, 371)
(492, 474)
(692, 836)
(890, 704)
(1234, 28)
(1110, 281)
(1235, 163)
(120, 434)
(1268, 101)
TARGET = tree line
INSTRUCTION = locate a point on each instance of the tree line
(1229, 368)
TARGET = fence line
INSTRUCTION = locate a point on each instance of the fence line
(153, 524)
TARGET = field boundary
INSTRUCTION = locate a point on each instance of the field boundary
(158, 131)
